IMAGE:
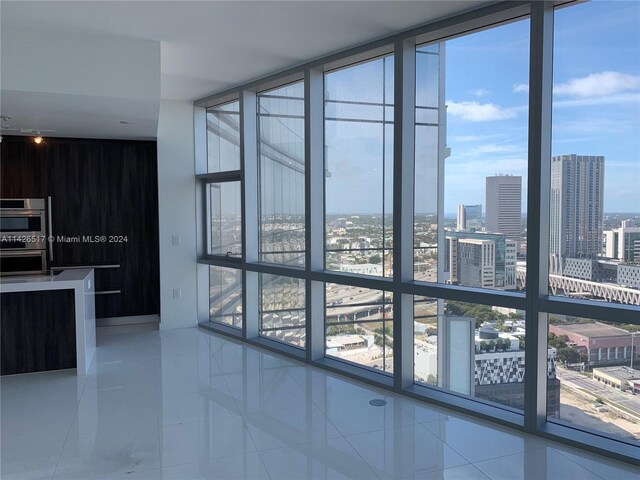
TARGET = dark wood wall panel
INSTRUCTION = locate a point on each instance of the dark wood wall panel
(97, 188)
(139, 193)
(38, 331)
(22, 169)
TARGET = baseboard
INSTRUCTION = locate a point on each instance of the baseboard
(132, 320)
(117, 329)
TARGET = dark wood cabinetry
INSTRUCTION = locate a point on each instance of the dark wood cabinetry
(38, 331)
(98, 188)
(22, 169)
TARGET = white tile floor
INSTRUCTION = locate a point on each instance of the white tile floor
(187, 404)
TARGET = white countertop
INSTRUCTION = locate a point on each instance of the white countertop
(65, 279)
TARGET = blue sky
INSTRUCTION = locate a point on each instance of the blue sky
(596, 112)
(596, 101)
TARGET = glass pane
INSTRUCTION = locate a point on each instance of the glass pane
(359, 326)
(223, 137)
(471, 158)
(226, 219)
(594, 231)
(472, 349)
(359, 168)
(596, 366)
(282, 309)
(281, 150)
(225, 296)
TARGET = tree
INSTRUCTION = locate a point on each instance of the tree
(383, 336)
(568, 355)
(557, 341)
(342, 330)
(554, 320)
(500, 344)
(375, 259)
(454, 308)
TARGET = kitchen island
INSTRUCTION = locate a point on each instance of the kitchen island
(48, 322)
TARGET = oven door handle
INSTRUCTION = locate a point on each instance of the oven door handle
(50, 232)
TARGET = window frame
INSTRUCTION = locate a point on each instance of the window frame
(206, 181)
(536, 302)
(264, 90)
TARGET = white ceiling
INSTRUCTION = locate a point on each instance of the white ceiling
(208, 46)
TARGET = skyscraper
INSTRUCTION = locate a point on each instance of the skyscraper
(623, 243)
(503, 203)
(480, 259)
(469, 217)
(577, 185)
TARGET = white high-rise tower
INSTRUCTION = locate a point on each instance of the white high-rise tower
(504, 205)
(577, 191)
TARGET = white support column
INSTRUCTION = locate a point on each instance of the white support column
(403, 214)
(201, 166)
(314, 209)
(200, 139)
(249, 167)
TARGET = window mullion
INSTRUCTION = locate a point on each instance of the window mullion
(249, 180)
(540, 96)
(314, 209)
(403, 205)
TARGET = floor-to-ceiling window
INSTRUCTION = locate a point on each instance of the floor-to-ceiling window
(594, 217)
(470, 211)
(281, 174)
(222, 197)
(358, 161)
(453, 214)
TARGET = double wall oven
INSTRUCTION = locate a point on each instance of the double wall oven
(23, 235)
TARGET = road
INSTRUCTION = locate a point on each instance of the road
(578, 381)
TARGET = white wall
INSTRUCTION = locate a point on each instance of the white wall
(177, 214)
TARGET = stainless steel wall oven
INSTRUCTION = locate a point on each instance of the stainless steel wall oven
(23, 236)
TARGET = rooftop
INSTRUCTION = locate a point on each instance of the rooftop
(591, 330)
(621, 373)
(345, 340)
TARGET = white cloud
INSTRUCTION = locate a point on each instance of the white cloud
(479, 112)
(593, 85)
(521, 88)
(480, 92)
(466, 138)
(625, 99)
(493, 148)
(598, 84)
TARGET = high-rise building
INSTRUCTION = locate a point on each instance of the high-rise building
(623, 243)
(577, 184)
(504, 205)
(469, 217)
(480, 259)
(461, 219)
